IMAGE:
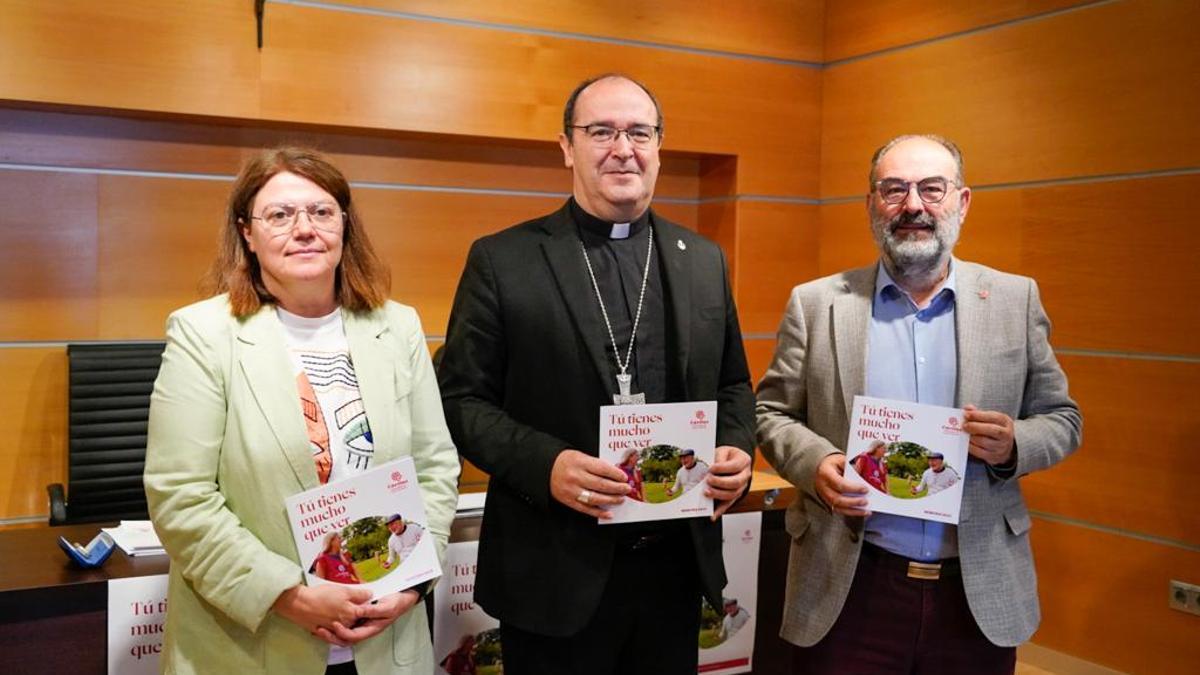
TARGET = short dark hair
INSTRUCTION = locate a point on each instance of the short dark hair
(362, 280)
(946, 143)
(569, 109)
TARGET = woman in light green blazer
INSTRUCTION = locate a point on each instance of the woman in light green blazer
(238, 424)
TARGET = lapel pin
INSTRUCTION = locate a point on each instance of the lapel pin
(682, 246)
(983, 295)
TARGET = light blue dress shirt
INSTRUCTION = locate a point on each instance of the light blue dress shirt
(912, 355)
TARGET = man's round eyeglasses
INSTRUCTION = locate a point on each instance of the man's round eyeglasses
(602, 134)
(931, 190)
(280, 218)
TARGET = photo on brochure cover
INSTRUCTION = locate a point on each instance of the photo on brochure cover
(904, 470)
(475, 654)
(661, 473)
(367, 549)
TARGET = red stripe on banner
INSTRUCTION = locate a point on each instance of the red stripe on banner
(707, 667)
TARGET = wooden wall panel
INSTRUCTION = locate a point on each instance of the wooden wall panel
(94, 141)
(854, 27)
(1096, 91)
(436, 78)
(194, 58)
(686, 215)
(424, 238)
(34, 400)
(1135, 470)
(1115, 262)
(159, 235)
(48, 260)
(845, 239)
(785, 29)
(1104, 599)
(759, 352)
(776, 249)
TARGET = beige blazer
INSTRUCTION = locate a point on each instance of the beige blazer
(227, 444)
(1005, 363)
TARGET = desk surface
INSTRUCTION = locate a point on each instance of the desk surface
(38, 562)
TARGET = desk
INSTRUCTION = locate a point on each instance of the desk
(53, 615)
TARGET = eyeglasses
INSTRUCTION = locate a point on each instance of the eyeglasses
(602, 134)
(931, 190)
(280, 218)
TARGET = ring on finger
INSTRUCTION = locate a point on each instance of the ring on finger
(585, 497)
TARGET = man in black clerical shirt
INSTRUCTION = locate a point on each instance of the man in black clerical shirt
(602, 301)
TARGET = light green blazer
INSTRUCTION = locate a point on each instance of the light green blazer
(227, 444)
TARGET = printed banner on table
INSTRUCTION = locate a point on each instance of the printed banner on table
(137, 612)
(665, 450)
(727, 633)
(367, 530)
(912, 457)
(466, 641)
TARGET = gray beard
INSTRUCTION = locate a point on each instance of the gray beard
(917, 261)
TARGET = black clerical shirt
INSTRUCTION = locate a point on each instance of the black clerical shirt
(618, 265)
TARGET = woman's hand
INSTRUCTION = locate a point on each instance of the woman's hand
(374, 618)
(319, 608)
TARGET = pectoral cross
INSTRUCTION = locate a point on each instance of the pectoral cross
(625, 395)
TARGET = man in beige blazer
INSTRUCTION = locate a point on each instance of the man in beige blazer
(882, 593)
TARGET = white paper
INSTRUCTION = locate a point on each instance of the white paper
(462, 631)
(657, 437)
(137, 611)
(910, 432)
(354, 512)
(136, 537)
(471, 501)
(728, 647)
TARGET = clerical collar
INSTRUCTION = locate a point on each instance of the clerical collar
(605, 229)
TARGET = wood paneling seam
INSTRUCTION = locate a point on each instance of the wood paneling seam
(1048, 182)
(968, 32)
(1141, 356)
(1116, 531)
(402, 187)
(543, 32)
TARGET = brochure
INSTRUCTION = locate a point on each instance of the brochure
(465, 638)
(367, 530)
(912, 456)
(665, 451)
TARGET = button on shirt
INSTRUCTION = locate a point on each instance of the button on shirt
(912, 355)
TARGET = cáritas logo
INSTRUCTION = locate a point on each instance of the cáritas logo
(398, 482)
(953, 426)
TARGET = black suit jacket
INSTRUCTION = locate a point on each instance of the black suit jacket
(523, 377)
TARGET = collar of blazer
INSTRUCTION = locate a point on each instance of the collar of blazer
(561, 248)
(270, 376)
(972, 312)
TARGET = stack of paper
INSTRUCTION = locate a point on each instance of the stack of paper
(136, 537)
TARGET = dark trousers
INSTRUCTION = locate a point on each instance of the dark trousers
(648, 621)
(892, 623)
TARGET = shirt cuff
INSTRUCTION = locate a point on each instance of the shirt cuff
(1006, 470)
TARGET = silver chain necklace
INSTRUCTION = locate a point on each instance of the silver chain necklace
(624, 379)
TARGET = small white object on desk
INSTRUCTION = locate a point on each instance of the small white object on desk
(136, 538)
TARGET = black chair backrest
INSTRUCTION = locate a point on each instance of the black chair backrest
(109, 409)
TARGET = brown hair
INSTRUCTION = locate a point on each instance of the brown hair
(362, 280)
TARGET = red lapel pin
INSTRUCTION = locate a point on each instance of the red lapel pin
(983, 295)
